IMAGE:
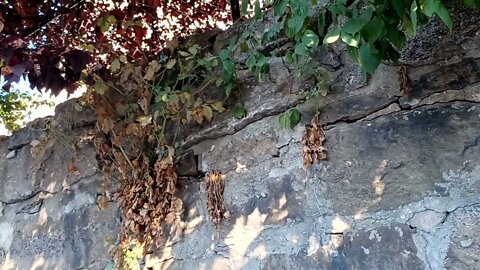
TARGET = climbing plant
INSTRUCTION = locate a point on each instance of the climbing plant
(145, 79)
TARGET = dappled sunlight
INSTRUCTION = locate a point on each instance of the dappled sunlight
(260, 252)
(280, 213)
(339, 226)
(52, 185)
(241, 167)
(244, 232)
(378, 186)
(313, 245)
(193, 224)
(38, 263)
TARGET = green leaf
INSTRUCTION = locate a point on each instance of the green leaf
(115, 66)
(321, 23)
(350, 40)
(228, 67)
(395, 36)
(290, 118)
(368, 57)
(258, 11)
(261, 60)
(295, 23)
(400, 7)
(228, 89)
(224, 54)
(193, 50)
(413, 16)
(243, 47)
(310, 39)
(244, 7)
(279, 7)
(251, 62)
(100, 86)
(103, 24)
(373, 30)
(111, 19)
(352, 26)
(442, 12)
(290, 58)
(332, 36)
(301, 49)
(184, 54)
(354, 54)
(239, 111)
(472, 3)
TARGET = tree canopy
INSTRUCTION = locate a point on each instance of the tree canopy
(51, 42)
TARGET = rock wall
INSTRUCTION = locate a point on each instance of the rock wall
(400, 188)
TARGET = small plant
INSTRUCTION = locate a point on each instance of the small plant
(290, 118)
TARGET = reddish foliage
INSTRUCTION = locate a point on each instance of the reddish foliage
(53, 41)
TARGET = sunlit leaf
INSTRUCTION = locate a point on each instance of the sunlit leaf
(332, 36)
(171, 63)
(207, 112)
(115, 66)
(310, 39)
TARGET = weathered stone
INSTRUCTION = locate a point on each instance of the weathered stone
(399, 189)
(466, 243)
(11, 154)
(359, 251)
(18, 179)
(427, 220)
(463, 252)
(71, 114)
(24, 136)
(80, 240)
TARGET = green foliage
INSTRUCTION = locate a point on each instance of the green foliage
(290, 118)
(373, 31)
(15, 107)
(131, 258)
(239, 111)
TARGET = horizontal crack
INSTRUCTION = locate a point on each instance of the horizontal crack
(34, 193)
(240, 125)
(360, 116)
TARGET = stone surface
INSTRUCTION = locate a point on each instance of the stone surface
(11, 154)
(399, 189)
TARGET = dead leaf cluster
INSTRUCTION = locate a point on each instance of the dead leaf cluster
(215, 183)
(147, 199)
(147, 184)
(404, 80)
(312, 144)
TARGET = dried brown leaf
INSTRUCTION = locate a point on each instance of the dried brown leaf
(215, 184)
(312, 144)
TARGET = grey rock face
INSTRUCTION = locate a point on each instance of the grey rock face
(400, 188)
